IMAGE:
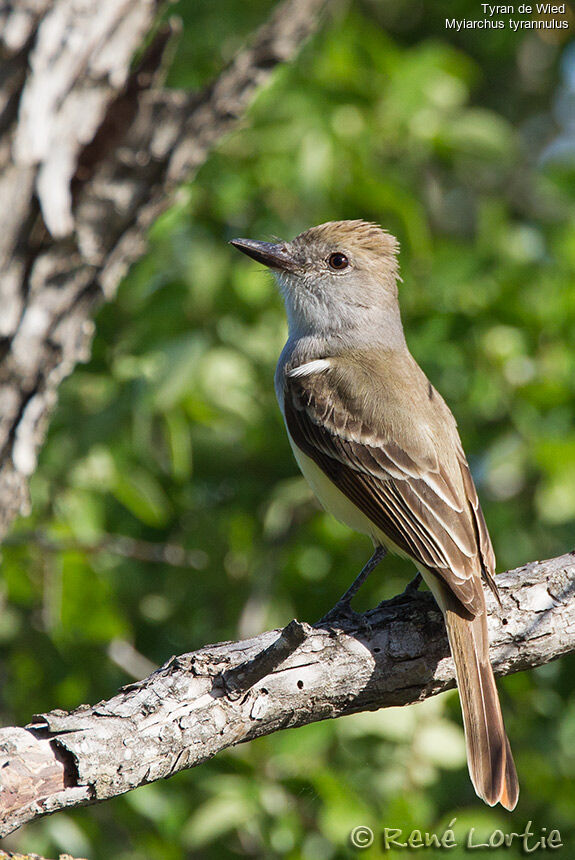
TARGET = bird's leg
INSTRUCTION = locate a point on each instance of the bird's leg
(342, 607)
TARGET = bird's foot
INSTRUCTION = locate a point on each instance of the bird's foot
(410, 589)
(412, 586)
(342, 611)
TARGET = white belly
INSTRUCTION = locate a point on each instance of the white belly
(337, 504)
(332, 499)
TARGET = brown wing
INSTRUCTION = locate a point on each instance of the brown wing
(483, 539)
(426, 504)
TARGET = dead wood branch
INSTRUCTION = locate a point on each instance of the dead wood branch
(201, 703)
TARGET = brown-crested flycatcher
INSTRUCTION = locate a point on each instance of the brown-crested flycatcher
(381, 450)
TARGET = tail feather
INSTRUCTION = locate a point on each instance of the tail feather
(489, 757)
(510, 794)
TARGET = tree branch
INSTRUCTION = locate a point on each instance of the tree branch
(200, 703)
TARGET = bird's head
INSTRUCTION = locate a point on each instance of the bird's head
(332, 276)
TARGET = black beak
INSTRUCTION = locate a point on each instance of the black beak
(274, 256)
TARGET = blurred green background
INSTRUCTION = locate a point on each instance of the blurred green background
(167, 509)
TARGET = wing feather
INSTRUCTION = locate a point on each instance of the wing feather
(425, 504)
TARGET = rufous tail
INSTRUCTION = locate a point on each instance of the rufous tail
(489, 757)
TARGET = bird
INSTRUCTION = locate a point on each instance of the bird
(381, 450)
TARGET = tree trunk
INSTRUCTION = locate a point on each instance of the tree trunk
(91, 151)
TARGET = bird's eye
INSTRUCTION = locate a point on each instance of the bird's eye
(338, 261)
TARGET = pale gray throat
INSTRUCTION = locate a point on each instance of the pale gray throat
(324, 324)
(377, 328)
(334, 312)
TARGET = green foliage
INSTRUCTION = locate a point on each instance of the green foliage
(171, 437)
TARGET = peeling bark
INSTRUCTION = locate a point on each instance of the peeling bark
(7, 855)
(201, 703)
